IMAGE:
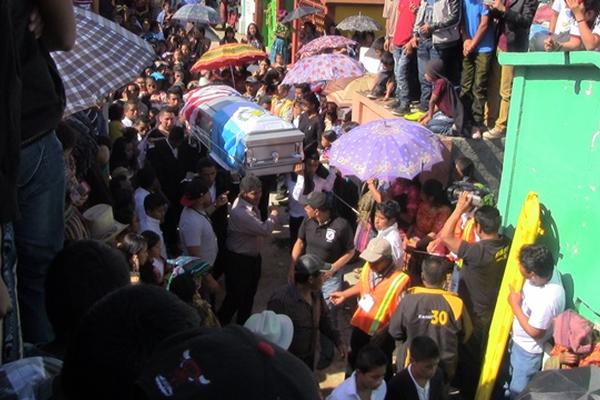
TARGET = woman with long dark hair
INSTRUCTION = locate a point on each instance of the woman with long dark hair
(253, 37)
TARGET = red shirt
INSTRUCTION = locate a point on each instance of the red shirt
(440, 89)
(404, 21)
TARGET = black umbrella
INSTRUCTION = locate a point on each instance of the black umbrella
(564, 384)
(300, 12)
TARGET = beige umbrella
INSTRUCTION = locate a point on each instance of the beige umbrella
(340, 91)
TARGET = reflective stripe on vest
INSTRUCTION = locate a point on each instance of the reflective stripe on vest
(384, 294)
(387, 300)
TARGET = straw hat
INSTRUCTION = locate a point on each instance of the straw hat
(101, 222)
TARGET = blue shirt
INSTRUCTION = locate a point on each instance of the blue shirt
(474, 10)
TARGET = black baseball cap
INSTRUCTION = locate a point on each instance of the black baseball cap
(317, 200)
(310, 264)
(224, 363)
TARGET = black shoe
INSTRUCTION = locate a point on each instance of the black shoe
(373, 96)
(401, 111)
(393, 104)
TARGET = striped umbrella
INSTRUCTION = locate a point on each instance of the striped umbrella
(323, 67)
(228, 55)
(105, 57)
(325, 42)
(198, 13)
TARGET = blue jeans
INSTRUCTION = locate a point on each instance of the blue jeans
(425, 52)
(39, 232)
(441, 123)
(331, 285)
(401, 64)
(524, 366)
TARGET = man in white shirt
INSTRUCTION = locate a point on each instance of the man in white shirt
(196, 233)
(366, 382)
(155, 206)
(246, 234)
(307, 181)
(385, 222)
(535, 307)
(148, 183)
(130, 114)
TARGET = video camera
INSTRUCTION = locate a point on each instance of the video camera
(480, 194)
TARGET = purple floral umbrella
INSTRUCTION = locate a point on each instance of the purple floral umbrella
(323, 67)
(386, 149)
(325, 42)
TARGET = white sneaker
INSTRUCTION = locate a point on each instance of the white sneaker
(493, 133)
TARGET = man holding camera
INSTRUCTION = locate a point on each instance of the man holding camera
(483, 264)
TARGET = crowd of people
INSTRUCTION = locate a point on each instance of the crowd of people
(469, 92)
(139, 257)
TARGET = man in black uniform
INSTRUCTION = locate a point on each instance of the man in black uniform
(431, 311)
(331, 239)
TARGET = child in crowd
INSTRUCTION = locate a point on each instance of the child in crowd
(445, 113)
(154, 270)
(385, 83)
(296, 113)
(366, 382)
(155, 205)
(422, 379)
(135, 249)
(265, 102)
(541, 299)
(327, 139)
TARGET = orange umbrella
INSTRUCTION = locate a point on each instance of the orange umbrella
(228, 55)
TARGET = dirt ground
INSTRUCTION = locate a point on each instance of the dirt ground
(276, 260)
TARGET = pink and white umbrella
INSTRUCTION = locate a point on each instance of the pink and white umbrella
(322, 43)
(323, 67)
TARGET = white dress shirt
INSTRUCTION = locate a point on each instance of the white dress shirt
(422, 392)
(348, 390)
(298, 199)
(246, 231)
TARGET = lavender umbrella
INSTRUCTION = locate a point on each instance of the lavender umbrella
(386, 149)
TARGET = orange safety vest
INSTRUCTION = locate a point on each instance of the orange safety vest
(385, 299)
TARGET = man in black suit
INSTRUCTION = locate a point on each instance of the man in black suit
(422, 379)
(164, 156)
